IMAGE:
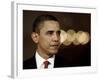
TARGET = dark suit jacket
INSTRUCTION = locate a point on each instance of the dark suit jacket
(31, 63)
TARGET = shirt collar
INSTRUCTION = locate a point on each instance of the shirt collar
(40, 60)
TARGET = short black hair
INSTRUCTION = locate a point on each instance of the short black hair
(41, 19)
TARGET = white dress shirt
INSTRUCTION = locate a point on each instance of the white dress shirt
(40, 60)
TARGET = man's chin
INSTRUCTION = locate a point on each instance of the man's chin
(54, 52)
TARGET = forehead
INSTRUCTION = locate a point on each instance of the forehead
(50, 25)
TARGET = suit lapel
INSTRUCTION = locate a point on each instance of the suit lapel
(59, 62)
(34, 62)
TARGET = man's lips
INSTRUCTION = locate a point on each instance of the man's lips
(55, 45)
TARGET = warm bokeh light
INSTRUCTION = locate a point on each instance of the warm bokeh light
(66, 42)
(82, 37)
(75, 42)
(71, 36)
(63, 36)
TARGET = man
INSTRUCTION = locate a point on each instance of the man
(46, 35)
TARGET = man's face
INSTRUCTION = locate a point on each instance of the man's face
(49, 38)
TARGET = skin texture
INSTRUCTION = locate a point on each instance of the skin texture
(48, 39)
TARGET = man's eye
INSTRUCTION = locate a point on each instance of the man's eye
(50, 32)
(58, 32)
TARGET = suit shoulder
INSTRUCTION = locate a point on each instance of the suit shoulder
(29, 63)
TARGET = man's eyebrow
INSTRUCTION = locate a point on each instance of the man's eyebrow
(50, 31)
(53, 31)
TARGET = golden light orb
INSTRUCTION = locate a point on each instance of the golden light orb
(76, 42)
(66, 43)
(63, 36)
(71, 34)
(82, 37)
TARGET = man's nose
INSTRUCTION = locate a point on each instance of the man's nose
(56, 37)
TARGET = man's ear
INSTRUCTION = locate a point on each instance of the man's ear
(35, 37)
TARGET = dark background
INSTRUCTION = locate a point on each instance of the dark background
(76, 55)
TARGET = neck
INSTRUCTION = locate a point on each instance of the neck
(44, 55)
